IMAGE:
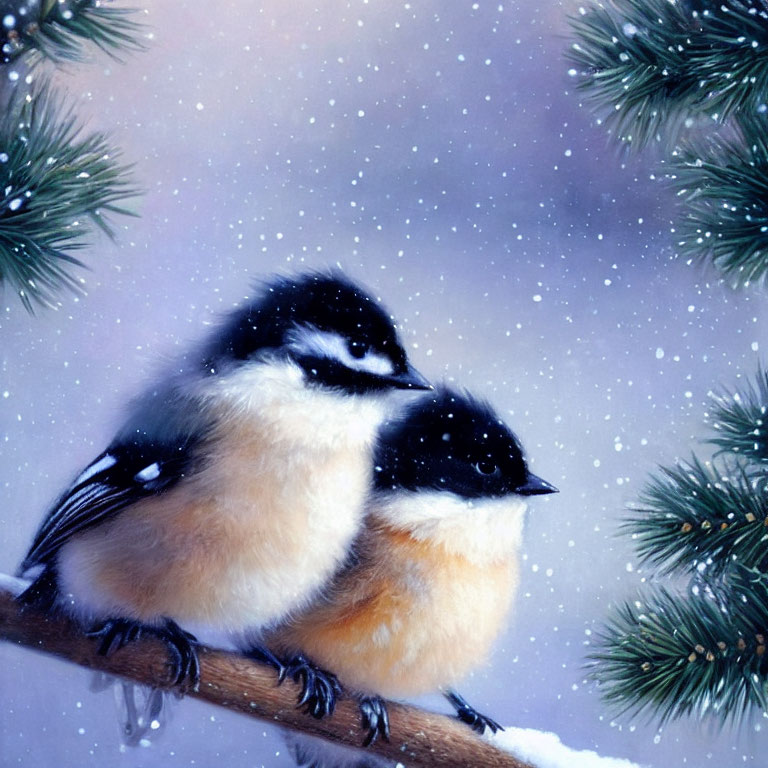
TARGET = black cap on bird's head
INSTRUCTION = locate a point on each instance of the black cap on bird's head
(339, 334)
(451, 442)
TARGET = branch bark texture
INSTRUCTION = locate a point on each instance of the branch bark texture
(419, 738)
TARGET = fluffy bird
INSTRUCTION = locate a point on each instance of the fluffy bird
(236, 484)
(435, 568)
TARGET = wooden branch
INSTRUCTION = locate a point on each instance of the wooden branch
(419, 738)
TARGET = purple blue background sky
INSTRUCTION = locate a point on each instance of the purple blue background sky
(438, 152)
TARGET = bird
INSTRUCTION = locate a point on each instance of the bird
(434, 570)
(231, 492)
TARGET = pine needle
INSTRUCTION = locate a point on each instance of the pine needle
(56, 186)
(651, 67)
(59, 31)
(699, 519)
(674, 656)
(723, 186)
(740, 417)
(704, 652)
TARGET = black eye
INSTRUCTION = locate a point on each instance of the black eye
(357, 349)
(486, 467)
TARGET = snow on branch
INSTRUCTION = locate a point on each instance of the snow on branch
(419, 738)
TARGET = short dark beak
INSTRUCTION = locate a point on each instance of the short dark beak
(409, 379)
(535, 486)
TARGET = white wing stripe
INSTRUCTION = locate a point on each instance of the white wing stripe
(79, 499)
(152, 472)
(64, 528)
(105, 462)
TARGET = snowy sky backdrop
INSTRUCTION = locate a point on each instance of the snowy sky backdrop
(437, 152)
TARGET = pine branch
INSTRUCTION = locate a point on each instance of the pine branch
(630, 67)
(723, 184)
(677, 656)
(739, 419)
(730, 56)
(56, 186)
(239, 684)
(704, 653)
(694, 518)
(58, 30)
(648, 66)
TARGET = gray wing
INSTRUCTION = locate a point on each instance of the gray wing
(153, 451)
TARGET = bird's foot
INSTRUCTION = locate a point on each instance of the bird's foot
(265, 656)
(114, 634)
(469, 715)
(184, 662)
(320, 689)
(375, 719)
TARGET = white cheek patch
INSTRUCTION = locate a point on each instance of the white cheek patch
(310, 341)
(483, 530)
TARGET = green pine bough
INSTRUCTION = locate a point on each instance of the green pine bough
(741, 422)
(56, 187)
(629, 68)
(648, 66)
(704, 651)
(58, 30)
(723, 187)
(678, 656)
(670, 72)
(695, 516)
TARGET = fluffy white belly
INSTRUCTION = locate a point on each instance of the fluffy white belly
(246, 540)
